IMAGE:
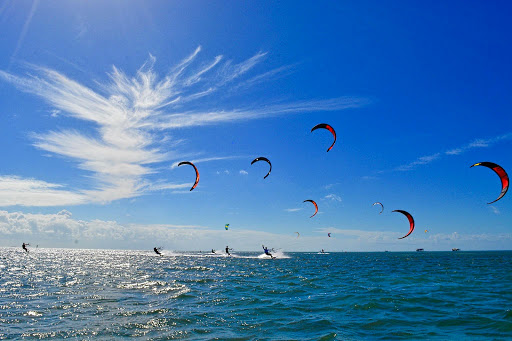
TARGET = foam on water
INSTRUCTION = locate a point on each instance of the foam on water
(278, 254)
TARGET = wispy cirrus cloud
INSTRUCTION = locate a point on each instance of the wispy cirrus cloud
(31, 192)
(261, 78)
(333, 197)
(130, 117)
(424, 160)
(477, 143)
(329, 186)
(55, 113)
(207, 159)
(292, 209)
(495, 210)
(202, 118)
(24, 30)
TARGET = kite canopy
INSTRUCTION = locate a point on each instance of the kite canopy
(329, 234)
(316, 206)
(328, 127)
(378, 203)
(501, 173)
(262, 158)
(411, 222)
(197, 173)
(298, 234)
(226, 227)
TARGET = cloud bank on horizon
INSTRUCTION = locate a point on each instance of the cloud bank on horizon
(130, 118)
(61, 229)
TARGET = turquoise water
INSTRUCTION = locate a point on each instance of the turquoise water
(98, 294)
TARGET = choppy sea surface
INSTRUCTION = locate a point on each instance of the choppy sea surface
(100, 294)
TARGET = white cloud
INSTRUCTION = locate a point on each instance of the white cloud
(243, 172)
(207, 159)
(477, 143)
(333, 197)
(202, 118)
(129, 115)
(55, 113)
(424, 160)
(329, 186)
(24, 30)
(183, 192)
(65, 213)
(277, 72)
(81, 28)
(62, 230)
(30, 192)
(292, 209)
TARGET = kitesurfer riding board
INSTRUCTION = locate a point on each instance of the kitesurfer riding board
(24, 247)
(157, 250)
(267, 252)
(227, 250)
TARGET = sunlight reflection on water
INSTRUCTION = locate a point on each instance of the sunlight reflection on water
(62, 293)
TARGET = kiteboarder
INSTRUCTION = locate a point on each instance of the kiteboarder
(227, 250)
(267, 252)
(157, 250)
(24, 246)
(213, 250)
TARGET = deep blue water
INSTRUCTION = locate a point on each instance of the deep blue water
(98, 294)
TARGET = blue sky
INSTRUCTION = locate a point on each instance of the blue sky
(100, 101)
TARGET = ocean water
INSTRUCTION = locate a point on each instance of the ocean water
(99, 294)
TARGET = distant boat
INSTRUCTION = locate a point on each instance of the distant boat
(420, 250)
(455, 249)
